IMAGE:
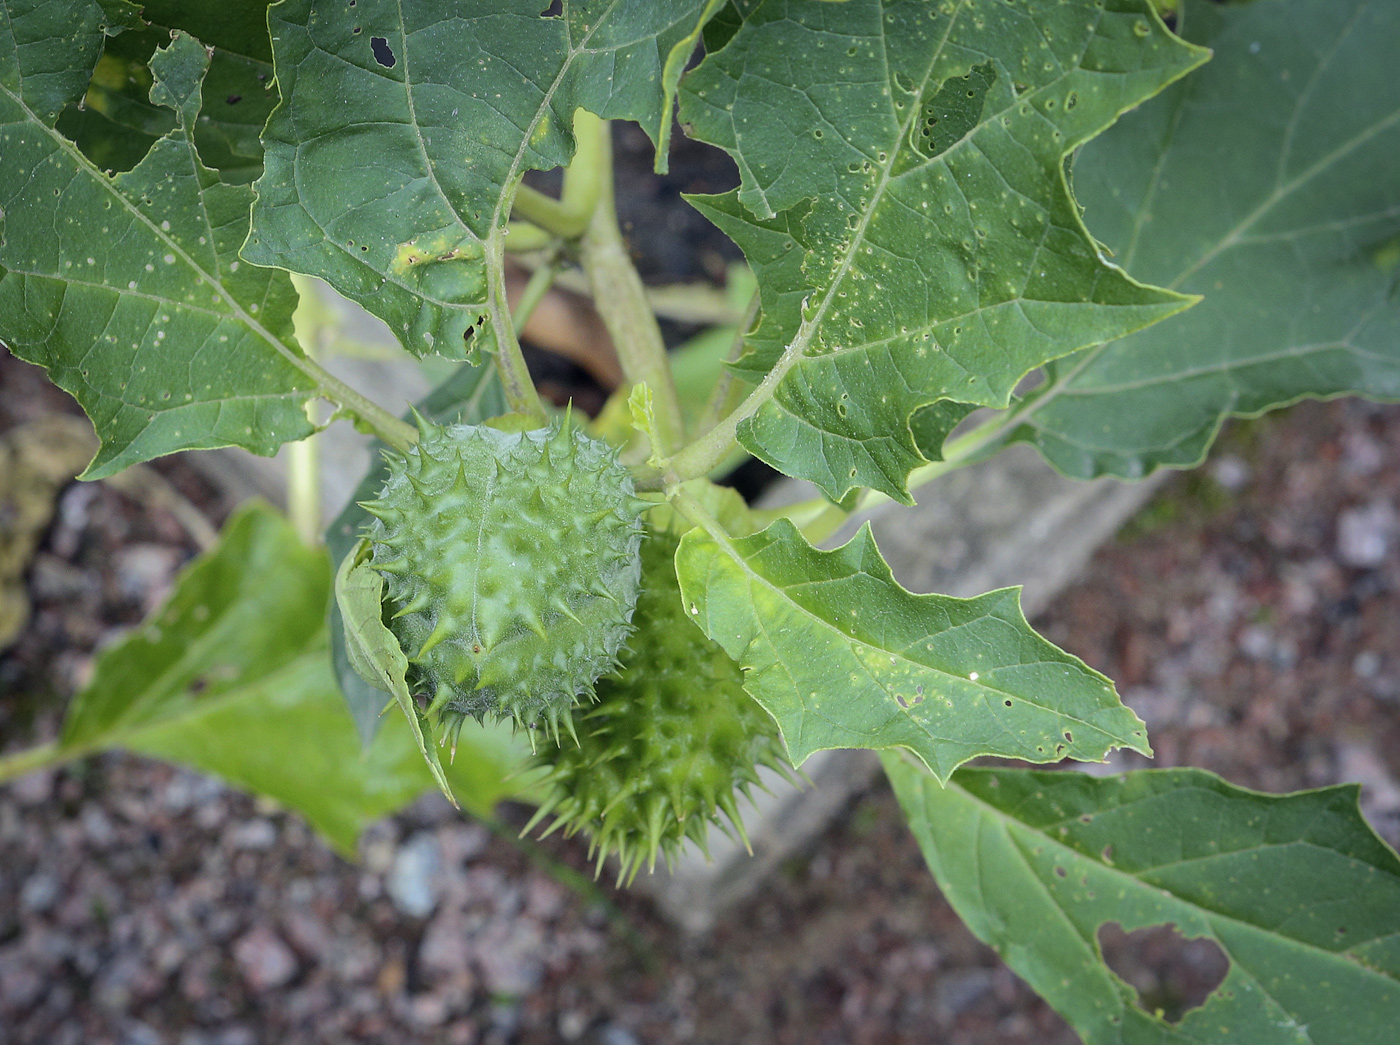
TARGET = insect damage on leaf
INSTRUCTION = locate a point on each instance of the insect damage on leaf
(511, 568)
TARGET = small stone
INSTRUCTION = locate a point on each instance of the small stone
(428, 1010)
(572, 1024)
(955, 992)
(39, 892)
(97, 827)
(445, 953)
(144, 572)
(1363, 534)
(412, 880)
(616, 1034)
(308, 934)
(1256, 642)
(1231, 472)
(511, 957)
(265, 961)
(21, 984)
(142, 1034)
(1366, 664)
(34, 788)
(257, 834)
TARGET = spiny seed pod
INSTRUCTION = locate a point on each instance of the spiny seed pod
(511, 568)
(671, 740)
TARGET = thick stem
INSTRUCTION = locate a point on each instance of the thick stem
(583, 182)
(621, 299)
(304, 488)
(516, 382)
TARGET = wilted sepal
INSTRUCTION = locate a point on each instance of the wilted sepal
(373, 651)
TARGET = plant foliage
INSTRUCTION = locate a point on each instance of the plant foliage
(953, 213)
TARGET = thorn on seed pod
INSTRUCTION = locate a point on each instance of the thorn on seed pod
(457, 536)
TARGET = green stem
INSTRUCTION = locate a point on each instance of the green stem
(621, 300)
(548, 213)
(521, 236)
(304, 488)
(311, 319)
(20, 763)
(535, 290)
(398, 434)
(568, 216)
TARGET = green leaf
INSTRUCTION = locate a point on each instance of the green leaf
(373, 651)
(469, 396)
(1266, 182)
(231, 676)
(225, 628)
(116, 124)
(943, 256)
(842, 656)
(1297, 891)
(129, 289)
(404, 130)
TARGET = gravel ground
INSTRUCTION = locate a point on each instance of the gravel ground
(1251, 616)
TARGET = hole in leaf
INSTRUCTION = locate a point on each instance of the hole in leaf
(382, 53)
(554, 10)
(234, 99)
(1171, 974)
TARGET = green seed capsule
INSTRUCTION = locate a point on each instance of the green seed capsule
(671, 742)
(511, 568)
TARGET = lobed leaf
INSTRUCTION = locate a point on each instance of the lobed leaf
(1298, 892)
(231, 676)
(1294, 241)
(842, 656)
(128, 289)
(404, 130)
(116, 124)
(915, 161)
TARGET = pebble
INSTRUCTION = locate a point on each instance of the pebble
(955, 992)
(144, 573)
(35, 788)
(412, 881)
(264, 960)
(616, 1034)
(1231, 472)
(257, 834)
(1364, 534)
(39, 892)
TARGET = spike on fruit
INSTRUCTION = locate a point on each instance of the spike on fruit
(670, 742)
(470, 595)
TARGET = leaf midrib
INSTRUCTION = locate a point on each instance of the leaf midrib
(1009, 823)
(717, 534)
(109, 186)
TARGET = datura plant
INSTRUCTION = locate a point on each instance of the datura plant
(968, 224)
